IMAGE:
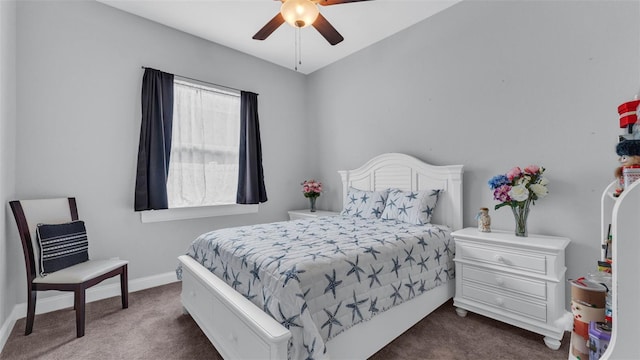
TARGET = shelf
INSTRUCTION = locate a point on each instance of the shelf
(622, 213)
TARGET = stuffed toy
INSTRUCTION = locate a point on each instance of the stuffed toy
(629, 152)
(628, 149)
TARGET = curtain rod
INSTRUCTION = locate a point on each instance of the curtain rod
(206, 82)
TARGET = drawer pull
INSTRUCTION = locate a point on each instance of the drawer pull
(499, 258)
(500, 301)
(500, 281)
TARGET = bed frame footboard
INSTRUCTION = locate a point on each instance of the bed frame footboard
(234, 325)
(240, 330)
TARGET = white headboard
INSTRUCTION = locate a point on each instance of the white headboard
(405, 172)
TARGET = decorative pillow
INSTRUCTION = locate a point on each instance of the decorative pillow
(365, 204)
(62, 245)
(414, 207)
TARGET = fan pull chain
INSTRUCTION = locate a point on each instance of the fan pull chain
(296, 32)
(297, 48)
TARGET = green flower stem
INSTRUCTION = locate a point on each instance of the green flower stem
(521, 213)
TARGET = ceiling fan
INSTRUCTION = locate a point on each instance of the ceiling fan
(302, 13)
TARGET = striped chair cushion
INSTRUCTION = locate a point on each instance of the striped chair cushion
(62, 245)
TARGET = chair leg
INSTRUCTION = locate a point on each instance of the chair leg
(79, 300)
(124, 287)
(31, 311)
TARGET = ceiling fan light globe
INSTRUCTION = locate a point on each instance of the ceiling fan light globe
(299, 13)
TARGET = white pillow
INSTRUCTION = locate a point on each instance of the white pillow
(365, 204)
(413, 207)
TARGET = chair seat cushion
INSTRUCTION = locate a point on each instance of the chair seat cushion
(62, 245)
(81, 272)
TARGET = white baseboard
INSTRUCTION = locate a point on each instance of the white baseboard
(6, 328)
(65, 300)
(567, 320)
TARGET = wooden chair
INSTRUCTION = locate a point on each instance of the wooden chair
(76, 278)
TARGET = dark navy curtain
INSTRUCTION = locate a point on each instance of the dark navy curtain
(155, 141)
(251, 189)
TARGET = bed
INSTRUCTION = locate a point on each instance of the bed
(241, 329)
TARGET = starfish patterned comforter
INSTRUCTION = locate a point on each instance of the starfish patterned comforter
(318, 277)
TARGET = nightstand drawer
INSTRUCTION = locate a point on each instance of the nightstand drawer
(537, 311)
(527, 287)
(506, 258)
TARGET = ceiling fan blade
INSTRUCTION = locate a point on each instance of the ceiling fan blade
(327, 30)
(270, 27)
(336, 2)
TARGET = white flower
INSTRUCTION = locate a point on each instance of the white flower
(540, 190)
(519, 193)
(543, 181)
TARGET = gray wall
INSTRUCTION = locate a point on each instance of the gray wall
(492, 85)
(7, 143)
(79, 80)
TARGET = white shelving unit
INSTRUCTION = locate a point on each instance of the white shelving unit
(623, 213)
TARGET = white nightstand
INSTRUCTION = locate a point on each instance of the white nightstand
(517, 280)
(307, 214)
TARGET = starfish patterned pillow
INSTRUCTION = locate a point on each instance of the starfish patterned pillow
(413, 207)
(365, 204)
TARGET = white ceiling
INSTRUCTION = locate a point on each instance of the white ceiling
(233, 23)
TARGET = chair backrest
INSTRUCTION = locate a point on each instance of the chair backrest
(30, 213)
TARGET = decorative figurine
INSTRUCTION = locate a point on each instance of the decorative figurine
(629, 169)
(484, 220)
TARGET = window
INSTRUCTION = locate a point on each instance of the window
(214, 166)
(203, 169)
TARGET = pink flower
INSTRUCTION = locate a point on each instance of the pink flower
(532, 169)
(502, 193)
(312, 188)
(514, 173)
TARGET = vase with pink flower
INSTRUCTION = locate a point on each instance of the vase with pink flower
(311, 190)
(519, 189)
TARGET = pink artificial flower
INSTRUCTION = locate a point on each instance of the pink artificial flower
(311, 187)
(514, 173)
(502, 193)
(532, 169)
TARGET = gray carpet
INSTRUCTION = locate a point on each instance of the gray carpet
(153, 327)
